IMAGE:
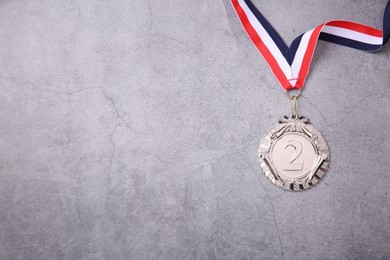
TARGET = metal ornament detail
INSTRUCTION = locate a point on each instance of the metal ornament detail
(294, 155)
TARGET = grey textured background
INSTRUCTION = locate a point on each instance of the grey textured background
(129, 130)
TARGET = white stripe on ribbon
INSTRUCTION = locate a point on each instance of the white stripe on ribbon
(267, 40)
(298, 59)
(352, 35)
(292, 72)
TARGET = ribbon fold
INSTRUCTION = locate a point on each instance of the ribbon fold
(291, 65)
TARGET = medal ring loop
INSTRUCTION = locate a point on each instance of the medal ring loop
(293, 93)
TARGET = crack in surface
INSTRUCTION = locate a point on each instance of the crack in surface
(353, 109)
(110, 167)
(315, 107)
(108, 98)
(209, 160)
(357, 203)
(117, 113)
(18, 81)
(228, 8)
(151, 16)
(118, 116)
(387, 54)
(278, 196)
(272, 206)
(352, 214)
(157, 158)
(70, 93)
(348, 113)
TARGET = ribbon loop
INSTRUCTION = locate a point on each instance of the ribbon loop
(291, 65)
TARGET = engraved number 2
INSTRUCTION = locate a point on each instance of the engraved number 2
(292, 164)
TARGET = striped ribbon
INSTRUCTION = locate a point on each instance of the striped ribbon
(291, 65)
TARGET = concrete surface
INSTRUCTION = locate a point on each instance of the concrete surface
(129, 130)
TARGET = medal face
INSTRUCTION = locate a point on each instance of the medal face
(294, 155)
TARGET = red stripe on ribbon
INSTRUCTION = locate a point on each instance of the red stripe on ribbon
(308, 57)
(357, 27)
(285, 83)
(311, 45)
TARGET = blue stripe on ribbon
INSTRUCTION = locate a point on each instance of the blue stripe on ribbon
(289, 53)
(386, 24)
(349, 43)
(271, 31)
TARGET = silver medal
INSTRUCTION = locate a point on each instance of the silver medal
(294, 155)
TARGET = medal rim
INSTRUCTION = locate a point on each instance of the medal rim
(299, 125)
